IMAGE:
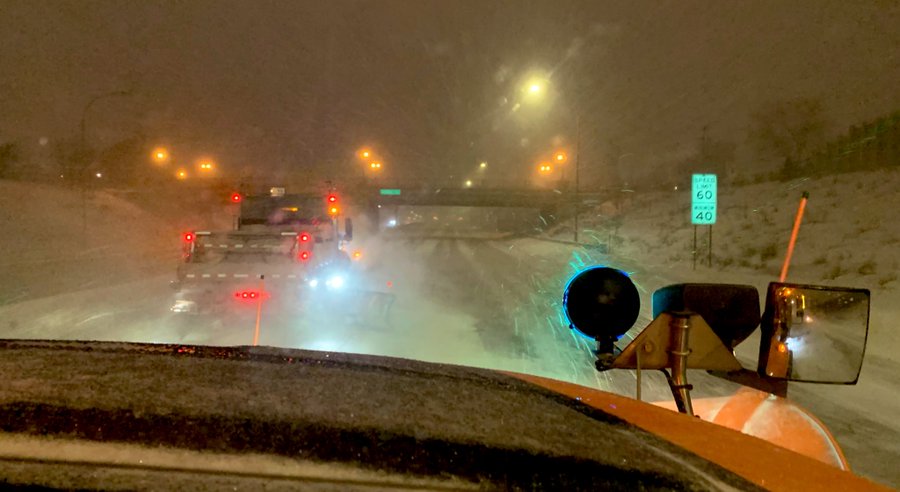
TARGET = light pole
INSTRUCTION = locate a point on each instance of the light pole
(87, 107)
(534, 89)
(577, 169)
(82, 174)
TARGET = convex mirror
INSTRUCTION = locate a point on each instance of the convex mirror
(814, 334)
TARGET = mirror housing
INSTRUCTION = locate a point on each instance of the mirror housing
(813, 334)
(732, 311)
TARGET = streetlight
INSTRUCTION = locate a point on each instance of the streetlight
(534, 87)
(468, 183)
(364, 153)
(87, 107)
(160, 155)
(181, 174)
(483, 165)
(84, 151)
(560, 157)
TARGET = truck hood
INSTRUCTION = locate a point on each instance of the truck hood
(385, 414)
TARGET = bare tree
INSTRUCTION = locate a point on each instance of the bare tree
(711, 156)
(71, 159)
(125, 161)
(789, 130)
(9, 157)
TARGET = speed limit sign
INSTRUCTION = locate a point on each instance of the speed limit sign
(703, 199)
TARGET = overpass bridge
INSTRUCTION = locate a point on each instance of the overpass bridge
(470, 197)
(481, 197)
(460, 211)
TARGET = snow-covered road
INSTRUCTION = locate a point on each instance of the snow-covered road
(492, 304)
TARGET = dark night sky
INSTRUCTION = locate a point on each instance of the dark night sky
(293, 84)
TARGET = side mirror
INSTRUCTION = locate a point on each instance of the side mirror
(814, 334)
(348, 229)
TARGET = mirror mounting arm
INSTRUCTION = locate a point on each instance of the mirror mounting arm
(681, 390)
(752, 379)
(606, 354)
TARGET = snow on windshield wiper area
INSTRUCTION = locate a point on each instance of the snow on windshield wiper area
(389, 415)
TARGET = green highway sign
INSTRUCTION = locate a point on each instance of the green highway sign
(703, 199)
(390, 191)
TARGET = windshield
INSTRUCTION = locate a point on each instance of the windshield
(422, 179)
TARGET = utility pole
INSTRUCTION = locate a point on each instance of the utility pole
(577, 169)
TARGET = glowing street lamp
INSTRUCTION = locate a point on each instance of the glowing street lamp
(468, 183)
(483, 165)
(560, 157)
(364, 153)
(181, 174)
(160, 155)
(534, 88)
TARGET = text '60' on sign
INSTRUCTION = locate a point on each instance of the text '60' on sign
(703, 199)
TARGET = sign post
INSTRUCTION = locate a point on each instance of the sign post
(704, 190)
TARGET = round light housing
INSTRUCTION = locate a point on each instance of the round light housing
(601, 303)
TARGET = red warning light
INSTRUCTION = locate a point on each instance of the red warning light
(304, 237)
(332, 199)
(236, 198)
(304, 255)
(247, 294)
(189, 237)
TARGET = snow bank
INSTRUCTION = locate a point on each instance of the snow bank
(58, 239)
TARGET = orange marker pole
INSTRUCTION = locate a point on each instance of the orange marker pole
(790, 251)
(258, 309)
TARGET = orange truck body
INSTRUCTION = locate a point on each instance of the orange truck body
(778, 446)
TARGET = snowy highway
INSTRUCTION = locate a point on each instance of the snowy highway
(492, 304)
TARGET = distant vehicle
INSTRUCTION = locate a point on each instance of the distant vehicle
(277, 239)
(289, 251)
